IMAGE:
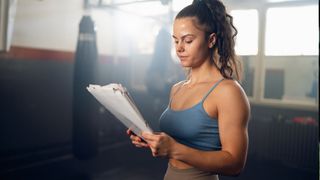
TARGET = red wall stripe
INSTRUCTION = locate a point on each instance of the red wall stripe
(26, 53)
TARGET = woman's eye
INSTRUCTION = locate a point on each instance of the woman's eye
(188, 41)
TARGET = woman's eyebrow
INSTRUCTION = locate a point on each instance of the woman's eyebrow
(184, 36)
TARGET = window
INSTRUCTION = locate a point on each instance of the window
(291, 55)
(246, 22)
(292, 31)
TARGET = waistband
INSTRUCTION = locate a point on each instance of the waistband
(174, 173)
(188, 170)
(192, 169)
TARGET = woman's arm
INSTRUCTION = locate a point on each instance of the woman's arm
(233, 114)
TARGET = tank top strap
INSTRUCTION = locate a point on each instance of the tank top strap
(211, 89)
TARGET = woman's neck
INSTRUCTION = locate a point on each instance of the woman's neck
(204, 73)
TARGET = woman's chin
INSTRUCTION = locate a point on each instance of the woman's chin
(184, 64)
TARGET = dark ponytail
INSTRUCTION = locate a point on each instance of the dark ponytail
(212, 16)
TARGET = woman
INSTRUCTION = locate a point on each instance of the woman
(204, 129)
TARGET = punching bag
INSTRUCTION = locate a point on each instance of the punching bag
(85, 129)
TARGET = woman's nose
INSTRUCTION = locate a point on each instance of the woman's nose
(179, 47)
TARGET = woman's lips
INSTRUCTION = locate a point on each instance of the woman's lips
(182, 57)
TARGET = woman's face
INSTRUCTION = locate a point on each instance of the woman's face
(192, 48)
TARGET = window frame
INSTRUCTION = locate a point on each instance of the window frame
(260, 59)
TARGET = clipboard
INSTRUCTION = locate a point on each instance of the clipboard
(116, 99)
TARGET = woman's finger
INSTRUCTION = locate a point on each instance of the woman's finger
(135, 138)
(139, 143)
(142, 144)
(130, 132)
(155, 153)
(149, 137)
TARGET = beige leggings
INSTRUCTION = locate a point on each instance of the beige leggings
(174, 173)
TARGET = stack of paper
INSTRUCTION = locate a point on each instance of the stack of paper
(117, 100)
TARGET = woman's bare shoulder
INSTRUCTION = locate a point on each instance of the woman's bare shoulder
(230, 91)
(176, 86)
(229, 86)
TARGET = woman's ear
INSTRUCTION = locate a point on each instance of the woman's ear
(212, 40)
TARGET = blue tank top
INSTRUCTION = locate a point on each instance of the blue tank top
(192, 127)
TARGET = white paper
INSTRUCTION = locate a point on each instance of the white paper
(117, 100)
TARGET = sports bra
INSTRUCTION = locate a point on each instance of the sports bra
(193, 126)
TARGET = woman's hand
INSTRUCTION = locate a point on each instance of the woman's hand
(160, 144)
(136, 140)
